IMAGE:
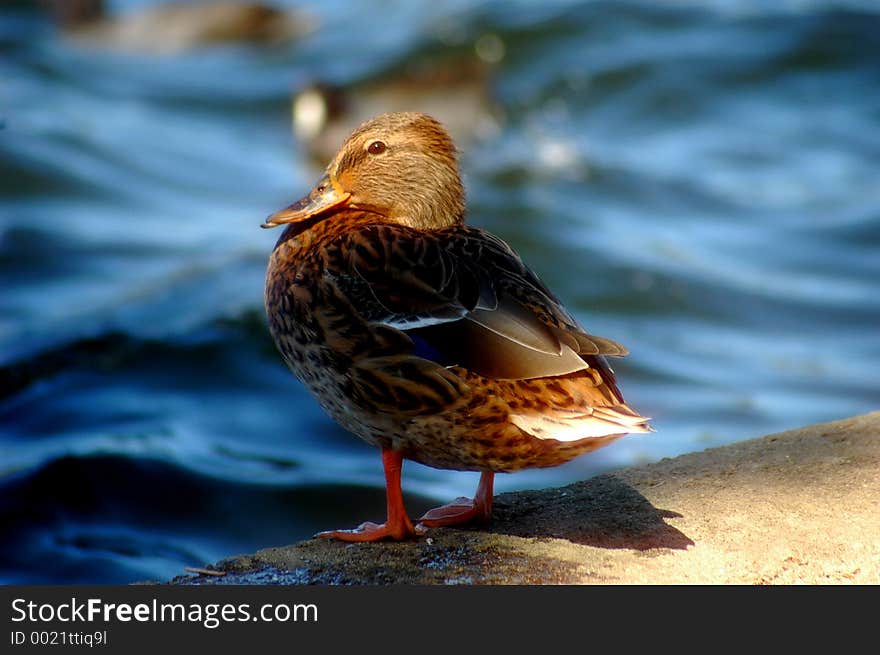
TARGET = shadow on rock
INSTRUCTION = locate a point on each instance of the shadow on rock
(604, 512)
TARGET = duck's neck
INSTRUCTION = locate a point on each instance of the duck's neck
(437, 210)
(430, 221)
(303, 235)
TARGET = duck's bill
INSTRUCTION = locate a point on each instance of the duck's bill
(326, 195)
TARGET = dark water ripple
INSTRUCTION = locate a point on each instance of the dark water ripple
(124, 518)
(699, 180)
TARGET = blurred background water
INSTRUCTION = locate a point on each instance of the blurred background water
(699, 180)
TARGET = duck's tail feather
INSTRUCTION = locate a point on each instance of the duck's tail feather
(601, 421)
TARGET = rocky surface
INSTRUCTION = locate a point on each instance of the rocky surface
(801, 506)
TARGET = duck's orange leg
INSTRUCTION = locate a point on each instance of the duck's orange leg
(464, 510)
(397, 526)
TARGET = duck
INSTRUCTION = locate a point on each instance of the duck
(428, 338)
(455, 86)
(175, 27)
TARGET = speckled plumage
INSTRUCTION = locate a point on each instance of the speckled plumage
(426, 337)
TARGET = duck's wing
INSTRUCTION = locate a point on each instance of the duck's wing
(465, 298)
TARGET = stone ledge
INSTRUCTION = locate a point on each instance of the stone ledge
(801, 506)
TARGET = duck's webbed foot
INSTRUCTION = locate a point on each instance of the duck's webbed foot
(372, 532)
(397, 526)
(463, 510)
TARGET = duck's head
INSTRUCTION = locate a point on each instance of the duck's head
(400, 166)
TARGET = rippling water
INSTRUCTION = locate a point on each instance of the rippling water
(699, 180)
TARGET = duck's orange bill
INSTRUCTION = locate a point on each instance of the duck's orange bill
(325, 195)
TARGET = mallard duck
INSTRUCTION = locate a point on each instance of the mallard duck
(426, 337)
(456, 88)
(175, 27)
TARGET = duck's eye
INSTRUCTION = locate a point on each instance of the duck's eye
(376, 148)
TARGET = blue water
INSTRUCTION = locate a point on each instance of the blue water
(698, 180)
